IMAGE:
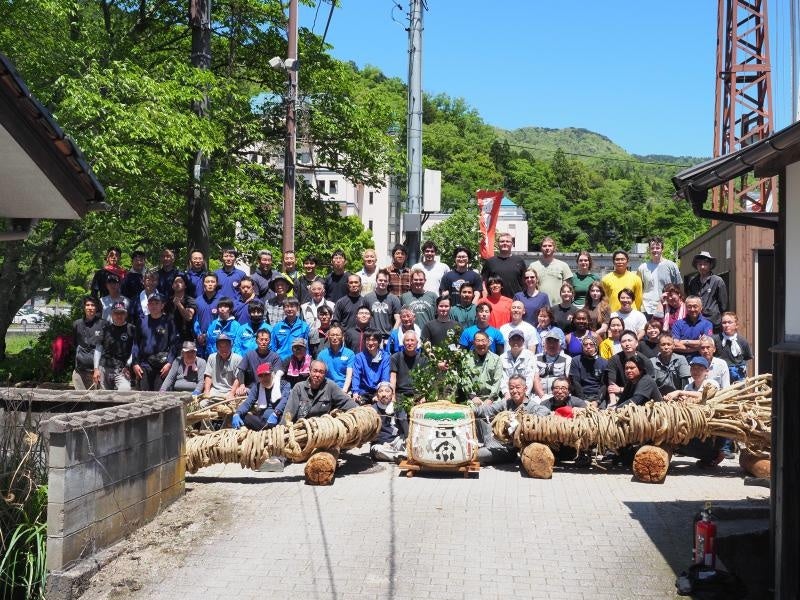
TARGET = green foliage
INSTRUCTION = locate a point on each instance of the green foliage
(459, 229)
(448, 375)
(33, 363)
(23, 502)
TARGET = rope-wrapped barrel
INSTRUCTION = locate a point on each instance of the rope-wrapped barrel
(296, 441)
(741, 412)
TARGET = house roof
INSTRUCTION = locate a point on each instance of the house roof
(43, 174)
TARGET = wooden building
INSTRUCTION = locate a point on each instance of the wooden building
(745, 260)
(778, 155)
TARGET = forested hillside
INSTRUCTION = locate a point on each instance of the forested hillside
(574, 184)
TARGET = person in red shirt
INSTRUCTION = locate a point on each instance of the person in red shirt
(501, 305)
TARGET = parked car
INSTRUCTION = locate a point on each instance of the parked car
(28, 318)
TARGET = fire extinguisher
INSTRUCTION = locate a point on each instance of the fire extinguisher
(705, 540)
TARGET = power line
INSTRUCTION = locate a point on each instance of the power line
(328, 22)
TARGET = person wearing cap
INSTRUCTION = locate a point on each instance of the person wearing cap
(228, 275)
(619, 279)
(246, 372)
(711, 451)
(497, 342)
(437, 330)
(552, 363)
(297, 367)
(245, 340)
(486, 386)
(166, 272)
(113, 356)
(280, 285)
(262, 408)
(493, 451)
(587, 373)
(114, 295)
(221, 369)
(111, 267)
(224, 323)
(182, 307)
(290, 328)
(241, 303)
(187, 371)
(699, 373)
(518, 323)
(133, 282)
(688, 330)
(338, 358)
(344, 311)
(389, 445)
(157, 345)
(87, 333)
(336, 280)
(370, 367)
(710, 288)
(316, 396)
(519, 360)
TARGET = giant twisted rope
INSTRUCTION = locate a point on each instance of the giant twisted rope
(296, 441)
(741, 412)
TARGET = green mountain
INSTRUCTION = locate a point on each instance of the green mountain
(542, 142)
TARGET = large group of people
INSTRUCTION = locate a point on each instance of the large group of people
(289, 342)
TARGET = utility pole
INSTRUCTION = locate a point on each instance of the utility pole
(197, 201)
(291, 66)
(412, 219)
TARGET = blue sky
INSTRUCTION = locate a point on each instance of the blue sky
(640, 72)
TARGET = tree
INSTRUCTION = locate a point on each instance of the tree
(459, 229)
(116, 77)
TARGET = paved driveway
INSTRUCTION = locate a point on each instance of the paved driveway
(375, 534)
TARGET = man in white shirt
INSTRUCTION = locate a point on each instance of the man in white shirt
(434, 269)
(655, 274)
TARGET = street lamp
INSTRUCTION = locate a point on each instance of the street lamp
(289, 65)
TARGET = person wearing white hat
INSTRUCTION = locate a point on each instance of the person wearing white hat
(710, 288)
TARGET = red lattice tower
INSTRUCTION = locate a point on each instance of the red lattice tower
(743, 108)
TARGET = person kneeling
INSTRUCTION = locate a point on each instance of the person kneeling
(259, 411)
(390, 443)
(492, 451)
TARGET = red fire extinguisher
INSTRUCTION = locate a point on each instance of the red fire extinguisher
(705, 540)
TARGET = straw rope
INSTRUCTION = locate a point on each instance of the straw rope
(741, 412)
(296, 441)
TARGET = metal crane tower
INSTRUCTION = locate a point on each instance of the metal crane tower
(743, 107)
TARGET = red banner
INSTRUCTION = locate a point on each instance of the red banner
(488, 209)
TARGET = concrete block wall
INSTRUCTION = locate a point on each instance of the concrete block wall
(110, 471)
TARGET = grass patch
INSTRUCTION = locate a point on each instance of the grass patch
(16, 343)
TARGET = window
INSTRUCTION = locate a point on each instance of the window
(370, 226)
(321, 186)
(371, 200)
(334, 185)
